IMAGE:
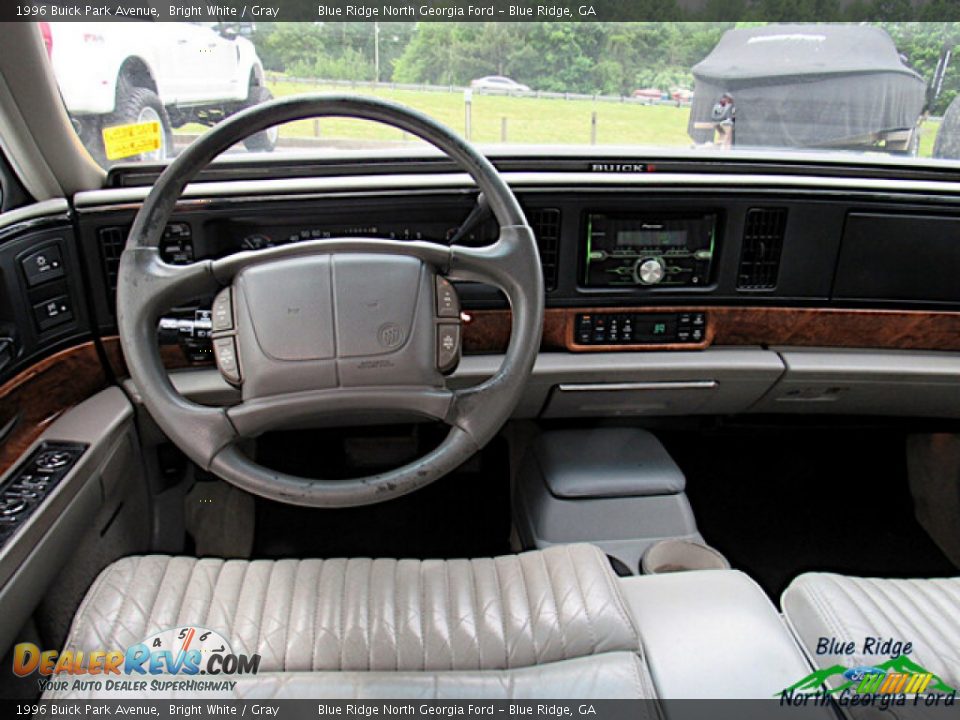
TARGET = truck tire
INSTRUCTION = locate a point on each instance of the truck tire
(264, 141)
(137, 105)
(947, 144)
(89, 131)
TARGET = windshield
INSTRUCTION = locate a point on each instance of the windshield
(144, 91)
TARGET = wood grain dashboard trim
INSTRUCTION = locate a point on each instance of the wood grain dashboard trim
(489, 330)
(40, 394)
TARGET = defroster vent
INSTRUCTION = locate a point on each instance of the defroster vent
(762, 246)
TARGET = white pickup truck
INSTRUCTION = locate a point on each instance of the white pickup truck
(175, 73)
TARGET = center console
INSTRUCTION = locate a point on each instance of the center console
(616, 488)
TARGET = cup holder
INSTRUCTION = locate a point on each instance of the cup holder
(668, 556)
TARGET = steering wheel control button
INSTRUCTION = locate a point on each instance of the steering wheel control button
(448, 304)
(53, 312)
(222, 312)
(448, 346)
(225, 352)
(43, 265)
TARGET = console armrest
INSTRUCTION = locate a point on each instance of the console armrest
(713, 634)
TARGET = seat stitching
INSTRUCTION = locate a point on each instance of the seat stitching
(123, 604)
(503, 614)
(586, 611)
(906, 616)
(316, 614)
(556, 604)
(236, 610)
(530, 611)
(156, 597)
(947, 612)
(475, 609)
(423, 625)
(449, 617)
(396, 617)
(289, 615)
(869, 597)
(213, 591)
(263, 606)
(369, 628)
(343, 602)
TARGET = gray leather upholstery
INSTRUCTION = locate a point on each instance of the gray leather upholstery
(439, 628)
(922, 612)
(606, 462)
(616, 676)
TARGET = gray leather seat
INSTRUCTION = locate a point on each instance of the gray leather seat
(545, 624)
(922, 612)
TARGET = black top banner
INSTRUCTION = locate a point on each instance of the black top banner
(234, 11)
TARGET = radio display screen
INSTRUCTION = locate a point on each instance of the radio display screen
(652, 238)
(645, 249)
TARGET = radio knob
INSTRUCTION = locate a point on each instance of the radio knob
(650, 271)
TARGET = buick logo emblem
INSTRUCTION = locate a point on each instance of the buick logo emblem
(390, 335)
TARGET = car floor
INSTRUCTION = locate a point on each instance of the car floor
(776, 501)
(465, 514)
(780, 502)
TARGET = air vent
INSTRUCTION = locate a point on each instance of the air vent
(112, 240)
(762, 246)
(546, 227)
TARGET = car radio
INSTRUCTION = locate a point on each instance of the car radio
(645, 250)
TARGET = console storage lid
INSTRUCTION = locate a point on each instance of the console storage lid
(606, 462)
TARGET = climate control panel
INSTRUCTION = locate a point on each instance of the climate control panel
(640, 328)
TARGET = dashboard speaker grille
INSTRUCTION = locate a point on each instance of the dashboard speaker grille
(112, 239)
(546, 227)
(763, 232)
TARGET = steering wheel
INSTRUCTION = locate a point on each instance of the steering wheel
(334, 327)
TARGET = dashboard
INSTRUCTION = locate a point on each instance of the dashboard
(677, 292)
(625, 268)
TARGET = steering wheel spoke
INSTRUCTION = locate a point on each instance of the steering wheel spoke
(159, 285)
(253, 417)
(504, 263)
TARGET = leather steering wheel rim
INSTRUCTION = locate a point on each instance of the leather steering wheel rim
(147, 287)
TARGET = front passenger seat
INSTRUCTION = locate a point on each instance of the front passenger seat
(822, 607)
(543, 624)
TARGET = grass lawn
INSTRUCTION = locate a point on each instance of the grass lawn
(528, 120)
